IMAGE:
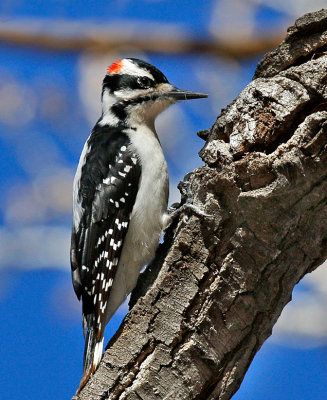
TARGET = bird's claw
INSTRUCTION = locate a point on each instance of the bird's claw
(187, 208)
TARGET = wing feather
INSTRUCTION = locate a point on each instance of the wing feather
(98, 241)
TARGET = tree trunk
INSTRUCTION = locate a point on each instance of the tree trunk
(219, 283)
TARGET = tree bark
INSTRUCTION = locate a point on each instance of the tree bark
(218, 284)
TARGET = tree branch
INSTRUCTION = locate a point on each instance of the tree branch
(223, 281)
(80, 36)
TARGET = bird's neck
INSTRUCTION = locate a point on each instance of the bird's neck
(124, 112)
(109, 116)
(130, 113)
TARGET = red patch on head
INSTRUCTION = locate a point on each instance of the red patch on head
(115, 67)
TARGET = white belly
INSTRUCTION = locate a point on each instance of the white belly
(147, 218)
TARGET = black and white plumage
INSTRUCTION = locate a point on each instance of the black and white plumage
(120, 196)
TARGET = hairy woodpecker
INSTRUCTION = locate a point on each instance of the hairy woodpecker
(120, 196)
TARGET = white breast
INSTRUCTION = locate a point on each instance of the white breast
(152, 197)
(147, 218)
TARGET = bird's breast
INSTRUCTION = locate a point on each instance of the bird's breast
(146, 224)
(152, 197)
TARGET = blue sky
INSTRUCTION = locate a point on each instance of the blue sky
(49, 101)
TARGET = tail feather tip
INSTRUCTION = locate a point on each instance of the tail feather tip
(92, 361)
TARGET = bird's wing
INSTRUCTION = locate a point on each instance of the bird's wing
(98, 241)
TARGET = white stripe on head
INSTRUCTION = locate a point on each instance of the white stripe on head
(129, 94)
(128, 67)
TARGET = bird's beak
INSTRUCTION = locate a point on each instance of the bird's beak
(179, 94)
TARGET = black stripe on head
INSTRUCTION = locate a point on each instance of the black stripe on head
(119, 109)
(158, 76)
(123, 81)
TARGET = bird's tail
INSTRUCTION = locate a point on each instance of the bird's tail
(92, 355)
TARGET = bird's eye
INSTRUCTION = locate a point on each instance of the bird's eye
(144, 82)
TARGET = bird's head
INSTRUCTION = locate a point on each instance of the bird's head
(137, 91)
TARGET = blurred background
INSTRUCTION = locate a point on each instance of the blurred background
(54, 55)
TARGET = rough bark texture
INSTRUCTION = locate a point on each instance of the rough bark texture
(223, 281)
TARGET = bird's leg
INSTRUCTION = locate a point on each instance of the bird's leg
(176, 209)
(186, 208)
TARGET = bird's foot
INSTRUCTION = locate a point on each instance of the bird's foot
(187, 208)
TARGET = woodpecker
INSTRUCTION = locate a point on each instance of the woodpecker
(120, 196)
